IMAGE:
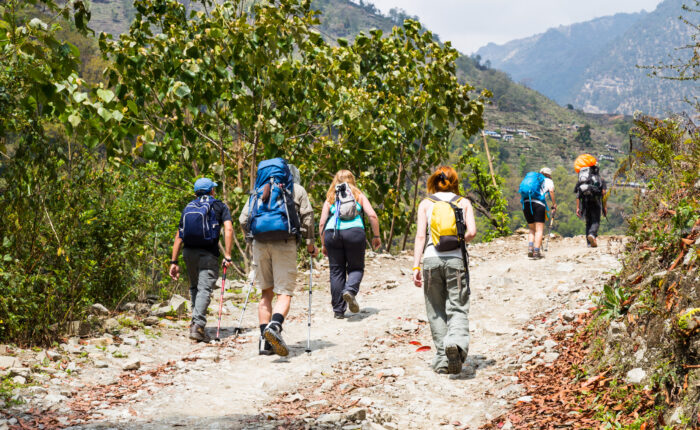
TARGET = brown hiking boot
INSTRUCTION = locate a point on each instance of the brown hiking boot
(592, 241)
(530, 252)
(537, 254)
(197, 333)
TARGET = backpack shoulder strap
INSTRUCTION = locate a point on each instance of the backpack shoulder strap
(433, 198)
(456, 199)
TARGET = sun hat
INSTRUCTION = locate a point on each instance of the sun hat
(204, 184)
(546, 171)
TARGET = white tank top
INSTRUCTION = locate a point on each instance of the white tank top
(430, 251)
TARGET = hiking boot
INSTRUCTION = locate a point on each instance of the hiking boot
(338, 315)
(536, 255)
(273, 334)
(265, 347)
(197, 333)
(454, 359)
(592, 241)
(530, 252)
(351, 301)
(441, 371)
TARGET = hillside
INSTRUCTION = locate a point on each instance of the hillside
(551, 129)
(545, 63)
(593, 65)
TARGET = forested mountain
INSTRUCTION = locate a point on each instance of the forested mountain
(593, 65)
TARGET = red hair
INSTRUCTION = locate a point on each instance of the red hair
(444, 179)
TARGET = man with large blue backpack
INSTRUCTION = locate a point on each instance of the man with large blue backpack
(534, 189)
(276, 217)
(199, 231)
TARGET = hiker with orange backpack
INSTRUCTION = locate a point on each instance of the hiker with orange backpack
(534, 189)
(446, 222)
(590, 191)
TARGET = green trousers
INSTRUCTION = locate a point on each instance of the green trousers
(446, 289)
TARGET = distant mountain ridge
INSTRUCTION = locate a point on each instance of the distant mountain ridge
(593, 65)
(553, 62)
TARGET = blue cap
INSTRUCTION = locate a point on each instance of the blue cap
(204, 184)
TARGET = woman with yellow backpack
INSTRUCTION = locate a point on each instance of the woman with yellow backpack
(445, 225)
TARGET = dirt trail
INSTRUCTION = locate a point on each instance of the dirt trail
(363, 365)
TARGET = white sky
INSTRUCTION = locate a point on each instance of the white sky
(471, 24)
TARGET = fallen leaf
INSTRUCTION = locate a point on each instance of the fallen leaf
(415, 342)
(423, 348)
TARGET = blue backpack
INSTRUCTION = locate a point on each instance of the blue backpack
(200, 228)
(531, 189)
(273, 215)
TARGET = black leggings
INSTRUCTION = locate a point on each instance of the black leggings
(346, 258)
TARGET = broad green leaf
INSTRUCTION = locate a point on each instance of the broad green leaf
(105, 95)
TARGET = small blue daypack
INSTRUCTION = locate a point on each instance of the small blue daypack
(273, 215)
(531, 189)
(200, 228)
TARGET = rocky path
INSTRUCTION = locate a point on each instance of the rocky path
(368, 371)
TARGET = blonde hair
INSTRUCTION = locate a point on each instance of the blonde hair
(444, 179)
(339, 178)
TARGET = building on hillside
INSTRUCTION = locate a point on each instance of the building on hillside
(606, 157)
(507, 137)
(492, 133)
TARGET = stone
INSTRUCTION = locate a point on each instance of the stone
(409, 326)
(133, 364)
(550, 357)
(356, 414)
(100, 341)
(396, 371)
(20, 380)
(330, 418)
(635, 376)
(128, 306)
(41, 356)
(151, 321)
(130, 341)
(568, 316)
(322, 402)
(53, 399)
(111, 325)
(78, 328)
(549, 344)
(177, 305)
(99, 310)
(526, 399)
(20, 371)
(142, 308)
(565, 267)
(100, 364)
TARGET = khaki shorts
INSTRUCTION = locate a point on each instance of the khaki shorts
(276, 265)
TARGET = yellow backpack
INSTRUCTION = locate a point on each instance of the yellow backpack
(443, 223)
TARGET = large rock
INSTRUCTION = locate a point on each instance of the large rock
(176, 306)
(7, 362)
(330, 418)
(78, 328)
(150, 321)
(132, 364)
(111, 325)
(635, 376)
(99, 310)
(356, 414)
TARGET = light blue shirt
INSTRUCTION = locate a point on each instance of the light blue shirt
(345, 224)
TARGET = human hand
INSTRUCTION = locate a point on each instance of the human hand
(324, 250)
(578, 213)
(605, 211)
(417, 278)
(312, 250)
(226, 262)
(376, 242)
(174, 272)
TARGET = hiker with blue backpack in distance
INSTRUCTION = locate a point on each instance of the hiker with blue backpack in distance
(276, 217)
(448, 221)
(199, 231)
(534, 189)
(343, 239)
(590, 191)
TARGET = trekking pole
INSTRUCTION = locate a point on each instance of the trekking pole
(221, 305)
(251, 280)
(311, 284)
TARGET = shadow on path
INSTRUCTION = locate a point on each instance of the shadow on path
(364, 313)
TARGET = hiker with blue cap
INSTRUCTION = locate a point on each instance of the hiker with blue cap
(199, 231)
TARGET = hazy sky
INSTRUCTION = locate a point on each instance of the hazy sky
(471, 24)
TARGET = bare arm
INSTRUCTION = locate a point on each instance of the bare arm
(174, 268)
(228, 238)
(468, 220)
(421, 228)
(371, 214)
(325, 212)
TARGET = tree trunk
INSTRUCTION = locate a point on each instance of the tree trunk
(413, 212)
(396, 202)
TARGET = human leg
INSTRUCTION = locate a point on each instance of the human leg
(435, 300)
(355, 243)
(284, 270)
(337, 267)
(457, 311)
(207, 277)
(539, 233)
(191, 258)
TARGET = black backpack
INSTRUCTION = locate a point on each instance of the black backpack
(590, 183)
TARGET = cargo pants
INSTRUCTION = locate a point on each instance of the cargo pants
(446, 289)
(203, 271)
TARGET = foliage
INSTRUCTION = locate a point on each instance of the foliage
(583, 135)
(612, 300)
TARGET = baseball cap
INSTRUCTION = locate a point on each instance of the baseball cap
(546, 171)
(204, 184)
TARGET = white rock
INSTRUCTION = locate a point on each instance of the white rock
(132, 364)
(6, 362)
(19, 380)
(550, 357)
(100, 364)
(130, 341)
(549, 344)
(635, 376)
(98, 309)
(330, 418)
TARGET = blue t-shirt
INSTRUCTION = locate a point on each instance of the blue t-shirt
(345, 224)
